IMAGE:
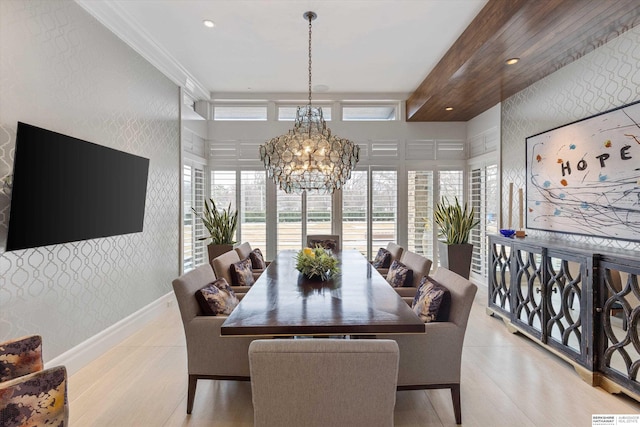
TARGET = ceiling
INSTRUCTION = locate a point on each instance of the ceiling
(434, 53)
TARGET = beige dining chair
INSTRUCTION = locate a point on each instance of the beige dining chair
(433, 360)
(244, 251)
(420, 265)
(327, 241)
(209, 356)
(396, 253)
(323, 382)
(221, 266)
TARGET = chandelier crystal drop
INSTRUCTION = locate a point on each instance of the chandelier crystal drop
(309, 157)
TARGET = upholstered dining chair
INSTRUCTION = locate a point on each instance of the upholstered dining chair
(323, 382)
(245, 251)
(396, 253)
(209, 356)
(420, 266)
(222, 269)
(327, 241)
(433, 359)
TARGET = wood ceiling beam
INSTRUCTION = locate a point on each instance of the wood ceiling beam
(546, 35)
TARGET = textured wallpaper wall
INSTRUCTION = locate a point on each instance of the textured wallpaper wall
(62, 70)
(606, 78)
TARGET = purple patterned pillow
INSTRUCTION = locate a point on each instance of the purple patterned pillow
(399, 275)
(257, 260)
(432, 301)
(382, 259)
(242, 273)
(217, 298)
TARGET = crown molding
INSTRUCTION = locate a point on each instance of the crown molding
(127, 29)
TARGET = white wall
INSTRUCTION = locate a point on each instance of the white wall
(63, 71)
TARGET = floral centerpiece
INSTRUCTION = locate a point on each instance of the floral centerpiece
(317, 263)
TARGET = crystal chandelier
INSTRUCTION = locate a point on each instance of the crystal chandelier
(309, 157)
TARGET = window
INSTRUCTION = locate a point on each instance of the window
(318, 213)
(288, 112)
(420, 211)
(451, 185)
(193, 250)
(355, 212)
(223, 188)
(240, 112)
(484, 191)
(289, 218)
(369, 112)
(187, 221)
(384, 204)
(253, 210)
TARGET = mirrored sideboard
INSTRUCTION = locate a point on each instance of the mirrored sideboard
(582, 303)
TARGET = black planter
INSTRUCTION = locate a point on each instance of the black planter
(456, 258)
(217, 250)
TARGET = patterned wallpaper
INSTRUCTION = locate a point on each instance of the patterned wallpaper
(606, 78)
(62, 70)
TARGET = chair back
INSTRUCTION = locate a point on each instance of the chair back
(462, 294)
(243, 251)
(36, 399)
(323, 382)
(20, 356)
(395, 250)
(327, 241)
(419, 264)
(222, 264)
(185, 287)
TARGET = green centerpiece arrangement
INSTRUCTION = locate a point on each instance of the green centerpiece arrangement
(317, 263)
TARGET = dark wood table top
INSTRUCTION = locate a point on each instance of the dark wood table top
(358, 300)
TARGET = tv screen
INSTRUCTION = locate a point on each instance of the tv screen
(66, 189)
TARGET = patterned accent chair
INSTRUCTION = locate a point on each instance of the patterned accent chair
(420, 266)
(327, 382)
(20, 356)
(29, 395)
(396, 253)
(433, 359)
(209, 356)
(327, 241)
(36, 399)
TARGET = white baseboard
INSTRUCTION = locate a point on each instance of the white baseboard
(82, 354)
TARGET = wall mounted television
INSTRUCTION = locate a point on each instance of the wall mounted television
(66, 190)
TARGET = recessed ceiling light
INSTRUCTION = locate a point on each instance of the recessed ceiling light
(208, 23)
(449, 108)
(512, 61)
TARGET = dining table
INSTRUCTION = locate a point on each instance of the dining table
(357, 300)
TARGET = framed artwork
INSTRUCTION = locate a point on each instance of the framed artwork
(584, 177)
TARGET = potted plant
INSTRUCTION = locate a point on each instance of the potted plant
(455, 223)
(221, 225)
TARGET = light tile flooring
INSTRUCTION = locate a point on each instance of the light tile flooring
(507, 380)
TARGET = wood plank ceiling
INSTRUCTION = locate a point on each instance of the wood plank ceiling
(544, 34)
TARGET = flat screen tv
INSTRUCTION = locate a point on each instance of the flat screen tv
(66, 189)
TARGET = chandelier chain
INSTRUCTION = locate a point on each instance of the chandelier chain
(310, 19)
